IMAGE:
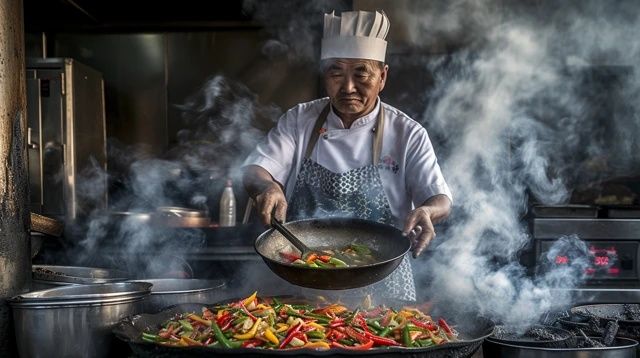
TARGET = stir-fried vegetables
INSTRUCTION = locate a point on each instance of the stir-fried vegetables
(352, 255)
(254, 322)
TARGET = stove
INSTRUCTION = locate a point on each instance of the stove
(612, 235)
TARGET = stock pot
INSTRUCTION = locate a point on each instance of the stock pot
(74, 320)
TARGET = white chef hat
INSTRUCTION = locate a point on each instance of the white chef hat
(355, 34)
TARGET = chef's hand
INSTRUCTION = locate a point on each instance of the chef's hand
(419, 228)
(271, 201)
(266, 192)
(419, 223)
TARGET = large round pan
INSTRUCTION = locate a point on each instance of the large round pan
(338, 233)
(473, 330)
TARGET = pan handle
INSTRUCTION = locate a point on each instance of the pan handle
(289, 236)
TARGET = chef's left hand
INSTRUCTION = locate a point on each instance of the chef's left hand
(419, 228)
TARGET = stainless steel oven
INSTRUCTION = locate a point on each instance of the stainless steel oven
(612, 237)
(66, 136)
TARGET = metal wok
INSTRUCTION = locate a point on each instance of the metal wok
(473, 330)
(385, 240)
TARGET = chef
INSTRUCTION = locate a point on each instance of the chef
(349, 154)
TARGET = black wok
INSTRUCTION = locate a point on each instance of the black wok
(473, 330)
(338, 233)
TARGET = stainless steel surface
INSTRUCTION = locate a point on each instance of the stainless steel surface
(605, 295)
(15, 258)
(624, 348)
(67, 122)
(74, 321)
(169, 291)
(611, 229)
(565, 211)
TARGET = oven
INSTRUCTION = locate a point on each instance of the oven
(612, 238)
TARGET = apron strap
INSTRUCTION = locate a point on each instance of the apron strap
(378, 130)
(316, 131)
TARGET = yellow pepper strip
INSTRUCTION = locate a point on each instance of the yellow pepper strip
(317, 326)
(282, 327)
(191, 342)
(271, 337)
(317, 345)
(199, 319)
(182, 342)
(251, 333)
(261, 306)
(250, 299)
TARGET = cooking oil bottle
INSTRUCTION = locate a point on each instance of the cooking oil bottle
(228, 206)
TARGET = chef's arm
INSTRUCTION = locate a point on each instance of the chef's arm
(267, 193)
(419, 223)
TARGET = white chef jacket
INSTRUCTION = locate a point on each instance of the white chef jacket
(408, 166)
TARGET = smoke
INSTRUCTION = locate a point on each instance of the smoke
(517, 114)
(296, 26)
(223, 121)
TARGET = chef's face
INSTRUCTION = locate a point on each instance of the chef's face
(353, 85)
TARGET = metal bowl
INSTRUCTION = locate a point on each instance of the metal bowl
(75, 320)
(172, 291)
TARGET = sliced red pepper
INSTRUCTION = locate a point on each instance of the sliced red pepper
(290, 334)
(442, 323)
(351, 332)
(244, 308)
(324, 258)
(301, 336)
(335, 335)
(338, 322)
(289, 256)
(381, 341)
(252, 343)
(426, 325)
(361, 322)
(208, 341)
(360, 347)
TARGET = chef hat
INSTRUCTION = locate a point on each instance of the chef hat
(355, 34)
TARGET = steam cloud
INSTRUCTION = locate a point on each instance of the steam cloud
(222, 122)
(518, 123)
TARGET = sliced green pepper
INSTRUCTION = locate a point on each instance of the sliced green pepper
(337, 262)
(406, 337)
(186, 325)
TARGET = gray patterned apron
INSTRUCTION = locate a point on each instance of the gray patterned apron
(357, 193)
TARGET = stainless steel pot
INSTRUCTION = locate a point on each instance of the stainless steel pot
(74, 321)
(621, 348)
(172, 291)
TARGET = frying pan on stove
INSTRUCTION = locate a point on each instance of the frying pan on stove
(385, 240)
(472, 330)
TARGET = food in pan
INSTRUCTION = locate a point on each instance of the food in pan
(350, 256)
(259, 323)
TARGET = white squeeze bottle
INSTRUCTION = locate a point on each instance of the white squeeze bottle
(228, 206)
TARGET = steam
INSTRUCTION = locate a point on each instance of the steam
(517, 123)
(223, 121)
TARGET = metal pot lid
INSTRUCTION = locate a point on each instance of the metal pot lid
(163, 286)
(84, 294)
(77, 274)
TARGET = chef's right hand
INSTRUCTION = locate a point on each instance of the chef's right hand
(271, 201)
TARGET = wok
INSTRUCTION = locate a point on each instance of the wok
(385, 240)
(472, 333)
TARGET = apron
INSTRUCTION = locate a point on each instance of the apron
(357, 193)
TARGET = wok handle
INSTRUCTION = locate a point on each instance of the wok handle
(289, 236)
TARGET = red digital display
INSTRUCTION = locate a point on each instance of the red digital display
(601, 260)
